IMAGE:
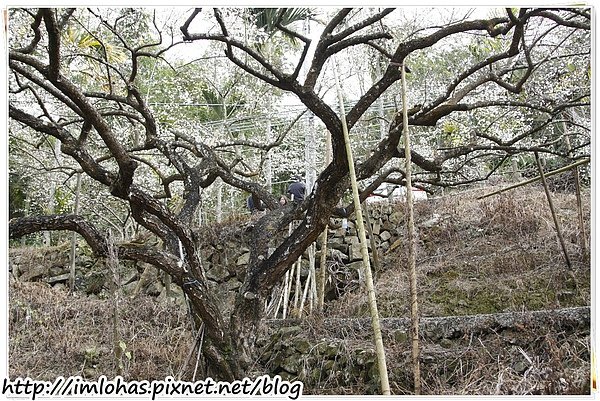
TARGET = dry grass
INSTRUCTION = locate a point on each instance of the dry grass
(518, 363)
(495, 255)
(498, 254)
(54, 334)
(515, 361)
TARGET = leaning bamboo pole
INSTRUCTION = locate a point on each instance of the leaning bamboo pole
(381, 362)
(286, 294)
(298, 286)
(280, 295)
(551, 173)
(313, 274)
(287, 282)
(307, 285)
(414, 306)
(554, 216)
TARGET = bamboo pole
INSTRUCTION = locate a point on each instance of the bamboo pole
(381, 362)
(279, 301)
(376, 264)
(584, 240)
(313, 277)
(74, 237)
(583, 237)
(112, 263)
(551, 173)
(554, 216)
(286, 293)
(323, 262)
(322, 272)
(287, 281)
(298, 288)
(304, 295)
(310, 160)
(414, 309)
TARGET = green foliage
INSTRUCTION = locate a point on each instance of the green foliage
(189, 93)
(217, 107)
(124, 352)
(526, 162)
(92, 49)
(500, 164)
(84, 41)
(267, 18)
(450, 135)
(483, 47)
(18, 186)
(91, 355)
(62, 201)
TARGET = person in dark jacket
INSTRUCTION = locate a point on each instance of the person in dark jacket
(297, 190)
(254, 207)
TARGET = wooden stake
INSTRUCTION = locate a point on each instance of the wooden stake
(554, 217)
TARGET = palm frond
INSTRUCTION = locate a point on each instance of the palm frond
(267, 18)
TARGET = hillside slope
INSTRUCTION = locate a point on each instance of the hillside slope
(498, 255)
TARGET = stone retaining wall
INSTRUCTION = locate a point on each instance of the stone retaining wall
(225, 262)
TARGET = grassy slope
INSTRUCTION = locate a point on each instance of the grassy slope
(499, 254)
